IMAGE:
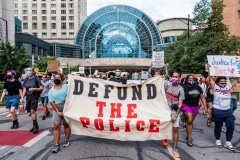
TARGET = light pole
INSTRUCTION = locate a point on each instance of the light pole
(90, 66)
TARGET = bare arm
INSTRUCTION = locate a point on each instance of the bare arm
(211, 81)
(3, 95)
(204, 102)
(234, 82)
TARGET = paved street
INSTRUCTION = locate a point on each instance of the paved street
(89, 148)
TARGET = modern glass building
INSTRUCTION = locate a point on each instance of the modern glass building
(118, 31)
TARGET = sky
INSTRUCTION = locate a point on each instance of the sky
(156, 9)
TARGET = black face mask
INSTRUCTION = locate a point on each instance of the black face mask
(57, 81)
(9, 76)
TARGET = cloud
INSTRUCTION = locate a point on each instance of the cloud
(155, 9)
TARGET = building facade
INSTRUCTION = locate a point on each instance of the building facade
(7, 21)
(231, 14)
(51, 20)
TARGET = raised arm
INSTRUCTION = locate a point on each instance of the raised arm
(234, 82)
(211, 81)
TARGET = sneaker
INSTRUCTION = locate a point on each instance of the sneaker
(56, 148)
(218, 144)
(229, 146)
(47, 114)
(67, 143)
(43, 118)
(9, 115)
(175, 153)
(165, 142)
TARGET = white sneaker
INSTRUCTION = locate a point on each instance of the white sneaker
(218, 143)
(26, 111)
(9, 115)
(229, 146)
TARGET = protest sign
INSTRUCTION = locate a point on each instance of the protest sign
(158, 59)
(224, 66)
(106, 109)
(81, 70)
(144, 75)
(52, 65)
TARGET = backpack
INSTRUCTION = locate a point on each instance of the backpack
(38, 93)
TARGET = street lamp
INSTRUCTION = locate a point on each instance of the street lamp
(90, 66)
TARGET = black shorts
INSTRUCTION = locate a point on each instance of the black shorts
(31, 102)
(208, 99)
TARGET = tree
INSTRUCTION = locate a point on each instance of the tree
(71, 69)
(41, 64)
(14, 58)
(210, 38)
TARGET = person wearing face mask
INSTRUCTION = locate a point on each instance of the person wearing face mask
(47, 85)
(104, 76)
(32, 88)
(14, 89)
(190, 107)
(57, 96)
(175, 96)
(118, 78)
(221, 109)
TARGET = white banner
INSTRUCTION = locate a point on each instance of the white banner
(106, 109)
(224, 66)
(158, 59)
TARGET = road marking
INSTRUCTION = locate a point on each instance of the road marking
(36, 139)
(170, 151)
(3, 147)
(3, 113)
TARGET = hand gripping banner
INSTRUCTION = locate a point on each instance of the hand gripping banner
(106, 109)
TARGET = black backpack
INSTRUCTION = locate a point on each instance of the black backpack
(38, 93)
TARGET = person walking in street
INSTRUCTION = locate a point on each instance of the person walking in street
(32, 88)
(221, 110)
(190, 107)
(57, 96)
(47, 85)
(175, 96)
(14, 89)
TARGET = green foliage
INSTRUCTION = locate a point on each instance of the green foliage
(70, 69)
(210, 38)
(14, 58)
(42, 63)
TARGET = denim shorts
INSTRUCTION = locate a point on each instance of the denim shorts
(12, 101)
(44, 100)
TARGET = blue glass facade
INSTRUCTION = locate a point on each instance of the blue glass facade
(118, 31)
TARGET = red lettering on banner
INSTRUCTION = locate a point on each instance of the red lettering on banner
(117, 110)
(100, 105)
(153, 123)
(138, 125)
(131, 108)
(112, 126)
(99, 124)
(127, 127)
(85, 121)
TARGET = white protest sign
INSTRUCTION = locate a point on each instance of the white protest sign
(224, 65)
(158, 59)
(81, 70)
(144, 75)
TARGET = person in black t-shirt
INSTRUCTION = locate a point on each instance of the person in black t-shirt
(14, 89)
(190, 107)
(118, 78)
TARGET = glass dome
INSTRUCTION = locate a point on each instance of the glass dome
(118, 31)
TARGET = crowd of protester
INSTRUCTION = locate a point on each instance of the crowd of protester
(185, 96)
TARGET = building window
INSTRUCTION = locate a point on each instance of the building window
(25, 25)
(34, 25)
(53, 25)
(44, 35)
(71, 11)
(63, 18)
(53, 5)
(70, 5)
(53, 11)
(54, 35)
(63, 25)
(63, 11)
(34, 11)
(34, 34)
(33, 49)
(53, 18)
(44, 12)
(24, 5)
(34, 18)
(44, 18)
(44, 25)
(71, 34)
(15, 11)
(15, 5)
(34, 5)
(43, 5)
(63, 35)
(71, 25)
(71, 18)
(25, 18)
(63, 5)
(25, 12)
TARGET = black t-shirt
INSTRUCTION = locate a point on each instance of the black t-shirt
(119, 80)
(210, 96)
(192, 95)
(12, 87)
